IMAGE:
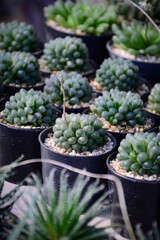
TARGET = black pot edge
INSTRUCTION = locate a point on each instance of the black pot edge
(155, 129)
(72, 156)
(134, 180)
(4, 97)
(40, 85)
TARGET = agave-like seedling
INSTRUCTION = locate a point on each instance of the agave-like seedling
(117, 73)
(19, 68)
(29, 108)
(77, 88)
(82, 15)
(79, 132)
(116, 106)
(134, 38)
(154, 99)
(140, 153)
(15, 36)
(69, 53)
(61, 219)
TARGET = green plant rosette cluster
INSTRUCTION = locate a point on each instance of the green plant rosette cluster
(137, 39)
(80, 133)
(29, 108)
(69, 53)
(77, 88)
(118, 106)
(140, 153)
(19, 68)
(154, 99)
(15, 36)
(118, 73)
(82, 15)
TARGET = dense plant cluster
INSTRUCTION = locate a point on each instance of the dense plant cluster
(117, 106)
(154, 99)
(117, 73)
(19, 68)
(15, 36)
(82, 15)
(83, 132)
(134, 38)
(77, 88)
(140, 153)
(29, 108)
(68, 53)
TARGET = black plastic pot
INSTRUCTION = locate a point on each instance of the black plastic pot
(155, 129)
(3, 100)
(142, 200)
(14, 89)
(15, 141)
(96, 43)
(39, 52)
(156, 116)
(147, 70)
(72, 110)
(89, 74)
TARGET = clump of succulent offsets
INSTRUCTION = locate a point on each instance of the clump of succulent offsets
(79, 132)
(15, 36)
(117, 106)
(29, 108)
(19, 68)
(117, 73)
(69, 54)
(154, 99)
(140, 153)
(77, 88)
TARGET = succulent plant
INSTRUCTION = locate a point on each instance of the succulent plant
(77, 88)
(136, 39)
(117, 106)
(19, 68)
(81, 132)
(68, 53)
(82, 15)
(118, 73)
(154, 99)
(15, 36)
(29, 108)
(140, 153)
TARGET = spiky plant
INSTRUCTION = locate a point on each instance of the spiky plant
(77, 88)
(140, 153)
(154, 99)
(137, 39)
(69, 53)
(29, 108)
(82, 15)
(19, 68)
(117, 73)
(60, 219)
(79, 132)
(116, 106)
(15, 36)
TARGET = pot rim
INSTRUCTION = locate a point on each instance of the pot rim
(37, 85)
(108, 46)
(73, 156)
(131, 179)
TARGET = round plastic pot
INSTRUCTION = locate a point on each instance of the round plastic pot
(39, 52)
(156, 116)
(14, 89)
(155, 129)
(96, 44)
(142, 200)
(15, 141)
(147, 70)
(3, 100)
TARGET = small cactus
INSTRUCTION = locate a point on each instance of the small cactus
(140, 153)
(116, 106)
(154, 99)
(15, 36)
(117, 73)
(79, 132)
(77, 88)
(29, 108)
(19, 68)
(68, 53)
